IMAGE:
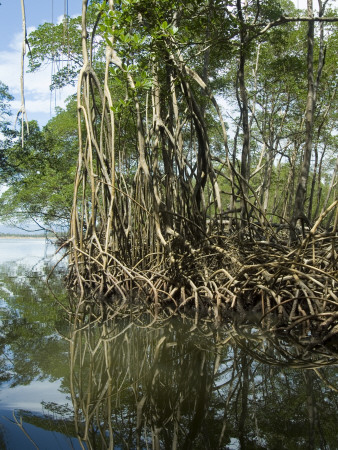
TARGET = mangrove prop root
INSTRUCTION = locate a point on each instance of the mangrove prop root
(298, 287)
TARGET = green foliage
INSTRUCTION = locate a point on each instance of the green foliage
(60, 44)
(207, 36)
(6, 134)
(40, 185)
(5, 112)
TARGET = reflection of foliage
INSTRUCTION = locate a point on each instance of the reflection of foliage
(287, 405)
(171, 385)
(31, 348)
(2, 438)
(58, 410)
(276, 349)
(50, 422)
(55, 418)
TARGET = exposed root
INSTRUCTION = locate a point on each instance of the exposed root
(296, 287)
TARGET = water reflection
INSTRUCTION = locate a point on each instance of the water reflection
(67, 381)
(167, 385)
(25, 250)
(33, 357)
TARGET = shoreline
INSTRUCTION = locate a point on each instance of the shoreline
(25, 237)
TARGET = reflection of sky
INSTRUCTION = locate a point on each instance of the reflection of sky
(14, 254)
(25, 436)
(28, 253)
(24, 250)
(30, 397)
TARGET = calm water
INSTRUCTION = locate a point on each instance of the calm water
(134, 383)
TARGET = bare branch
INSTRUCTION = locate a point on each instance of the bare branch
(282, 20)
(22, 109)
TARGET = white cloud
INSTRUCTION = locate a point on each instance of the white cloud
(31, 396)
(10, 70)
(34, 106)
(38, 97)
(301, 4)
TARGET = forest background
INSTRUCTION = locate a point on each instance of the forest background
(39, 177)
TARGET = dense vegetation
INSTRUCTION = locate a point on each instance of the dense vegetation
(40, 175)
(207, 145)
(275, 66)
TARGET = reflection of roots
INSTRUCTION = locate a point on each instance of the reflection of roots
(281, 349)
(117, 376)
(135, 377)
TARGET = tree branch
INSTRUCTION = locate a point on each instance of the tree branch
(282, 20)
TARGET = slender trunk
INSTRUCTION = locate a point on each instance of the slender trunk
(22, 109)
(298, 211)
(321, 62)
(245, 169)
(313, 183)
(244, 107)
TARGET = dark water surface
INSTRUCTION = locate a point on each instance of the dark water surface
(137, 383)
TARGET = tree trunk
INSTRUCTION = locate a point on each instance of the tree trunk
(244, 107)
(298, 211)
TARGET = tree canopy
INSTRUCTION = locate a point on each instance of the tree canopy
(234, 50)
(39, 176)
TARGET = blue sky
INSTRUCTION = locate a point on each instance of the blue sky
(40, 104)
